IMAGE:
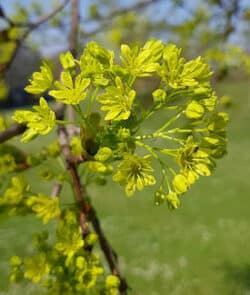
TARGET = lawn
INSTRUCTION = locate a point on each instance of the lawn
(202, 248)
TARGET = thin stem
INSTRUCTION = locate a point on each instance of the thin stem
(71, 166)
(92, 99)
(163, 135)
(174, 139)
(179, 130)
(151, 151)
(65, 122)
(80, 113)
(168, 123)
(109, 253)
(56, 190)
(73, 35)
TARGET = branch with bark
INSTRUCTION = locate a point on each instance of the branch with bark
(87, 211)
(30, 27)
(106, 20)
(42, 19)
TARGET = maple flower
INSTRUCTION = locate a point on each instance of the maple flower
(40, 121)
(134, 172)
(70, 92)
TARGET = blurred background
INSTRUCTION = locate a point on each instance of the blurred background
(203, 247)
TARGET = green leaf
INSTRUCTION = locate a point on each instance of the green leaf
(4, 91)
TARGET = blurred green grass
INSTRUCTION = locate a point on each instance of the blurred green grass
(202, 248)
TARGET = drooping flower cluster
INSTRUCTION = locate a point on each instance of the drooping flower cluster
(184, 89)
(109, 114)
(66, 268)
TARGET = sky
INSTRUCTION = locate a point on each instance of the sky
(163, 10)
(59, 45)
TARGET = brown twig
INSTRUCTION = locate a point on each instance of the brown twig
(73, 41)
(12, 131)
(87, 211)
(56, 190)
(105, 21)
(109, 253)
(73, 35)
(42, 19)
(137, 6)
(72, 168)
(231, 9)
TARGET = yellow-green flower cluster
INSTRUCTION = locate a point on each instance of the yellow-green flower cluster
(69, 244)
(184, 91)
(96, 63)
(109, 137)
(112, 284)
(15, 196)
(66, 268)
(41, 121)
(76, 146)
(118, 101)
(44, 207)
(70, 92)
(193, 161)
(179, 74)
(40, 81)
(7, 163)
(67, 60)
(142, 62)
(36, 267)
(135, 173)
